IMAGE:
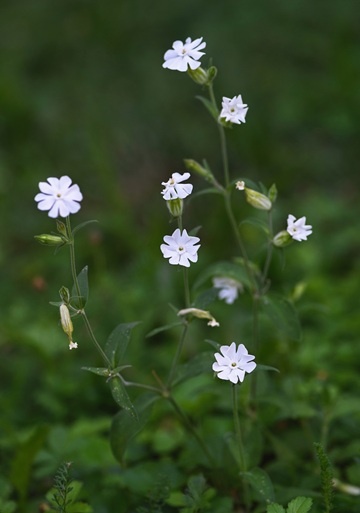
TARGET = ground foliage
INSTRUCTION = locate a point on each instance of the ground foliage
(83, 93)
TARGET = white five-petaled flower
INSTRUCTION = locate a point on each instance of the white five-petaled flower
(59, 197)
(232, 364)
(233, 109)
(228, 289)
(175, 189)
(184, 55)
(180, 248)
(297, 228)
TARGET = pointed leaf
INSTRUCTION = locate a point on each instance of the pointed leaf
(118, 341)
(81, 225)
(299, 505)
(121, 396)
(283, 314)
(100, 371)
(206, 298)
(261, 483)
(164, 328)
(210, 107)
(82, 278)
(124, 427)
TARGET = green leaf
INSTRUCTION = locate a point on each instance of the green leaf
(261, 483)
(201, 363)
(283, 314)
(121, 396)
(81, 225)
(21, 465)
(210, 107)
(164, 328)
(118, 341)
(206, 298)
(209, 190)
(259, 223)
(266, 368)
(80, 302)
(275, 508)
(299, 505)
(124, 427)
(100, 371)
(224, 269)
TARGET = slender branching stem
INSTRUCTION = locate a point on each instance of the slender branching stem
(93, 338)
(176, 359)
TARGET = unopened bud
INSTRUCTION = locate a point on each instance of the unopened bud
(282, 239)
(193, 166)
(67, 325)
(49, 240)
(61, 227)
(65, 295)
(201, 76)
(273, 193)
(201, 314)
(175, 207)
(257, 199)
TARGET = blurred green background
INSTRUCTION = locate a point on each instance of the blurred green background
(83, 93)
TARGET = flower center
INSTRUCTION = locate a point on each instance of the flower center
(232, 109)
(171, 181)
(233, 364)
(181, 249)
(58, 195)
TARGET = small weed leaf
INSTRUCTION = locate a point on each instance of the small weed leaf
(118, 341)
(299, 505)
(261, 483)
(121, 396)
(275, 508)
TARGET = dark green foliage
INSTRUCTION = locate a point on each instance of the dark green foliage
(327, 476)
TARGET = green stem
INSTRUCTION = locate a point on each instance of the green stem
(177, 357)
(93, 338)
(238, 429)
(192, 430)
(221, 129)
(269, 251)
(78, 292)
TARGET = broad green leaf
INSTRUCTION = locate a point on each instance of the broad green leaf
(124, 427)
(164, 328)
(100, 371)
(118, 341)
(210, 107)
(275, 508)
(201, 363)
(21, 464)
(224, 269)
(121, 396)
(282, 313)
(259, 223)
(299, 505)
(82, 278)
(261, 483)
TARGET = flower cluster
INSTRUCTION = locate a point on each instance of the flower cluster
(232, 363)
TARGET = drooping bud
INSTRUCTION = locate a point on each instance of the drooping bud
(282, 239)
(175, 207)
(67, 325)
(193, 166)
(201, 76)
(49, 240)
(200, 314)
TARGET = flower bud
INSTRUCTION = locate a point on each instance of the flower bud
(282, 239)
(201, 76)
(67, 325)
(200, 314)
(257, 199)
(273, 193)
(65, 295)
(175, 207)
(49, 240)
(192, 165)
(61, 227)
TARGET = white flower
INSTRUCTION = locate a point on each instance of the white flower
(297, 228)
(72, 344)
(59, 197)
(229, 289)
(232, 364)
(180, 248)
(233, 109)
(175, 189)
(185, 54)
